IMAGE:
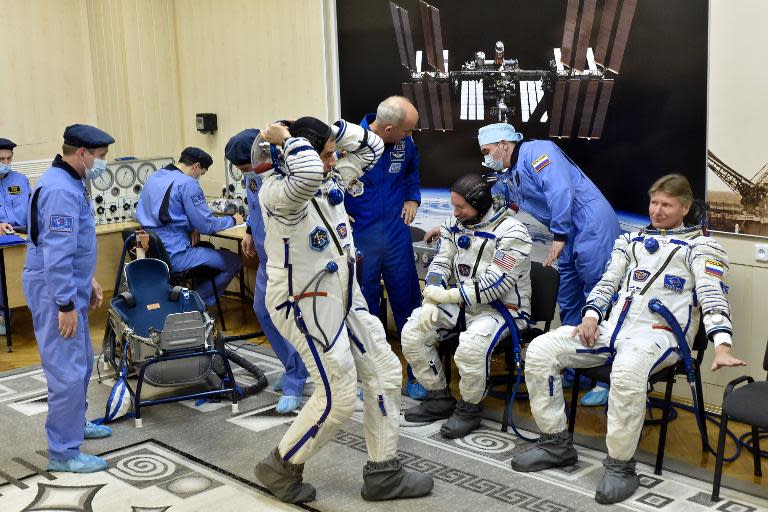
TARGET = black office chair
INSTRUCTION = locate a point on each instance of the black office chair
(189, 278)
(747, 404)
(545, 282)
(603, 374)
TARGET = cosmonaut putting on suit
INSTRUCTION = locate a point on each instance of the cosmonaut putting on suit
(668, 261)
(486, 252)
(316, 304)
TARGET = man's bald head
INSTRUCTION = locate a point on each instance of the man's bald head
(396, 119)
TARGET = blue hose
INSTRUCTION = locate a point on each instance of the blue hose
(518, 359)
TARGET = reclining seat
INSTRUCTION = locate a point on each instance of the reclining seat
(158, 320)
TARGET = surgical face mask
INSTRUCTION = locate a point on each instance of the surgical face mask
(98, 168)
(490, 162)
(4, 169)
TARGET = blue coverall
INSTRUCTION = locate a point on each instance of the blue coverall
(61, 260)
(375, 202)
(172, 205)
(544, 182)
(295, 372)
(14, 201)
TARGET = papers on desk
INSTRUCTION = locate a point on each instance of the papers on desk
(11, 240)
(236, 226)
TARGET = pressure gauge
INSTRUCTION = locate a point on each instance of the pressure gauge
(144, 171)
(235, 173)
(104, 181)
(125, 176)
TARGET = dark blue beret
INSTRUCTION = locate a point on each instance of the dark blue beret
(238, 149)
(7, 144)
(85, 136)
(197, 156)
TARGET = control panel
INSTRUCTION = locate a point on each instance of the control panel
(422, 255)
(234, 190)
(116, 192)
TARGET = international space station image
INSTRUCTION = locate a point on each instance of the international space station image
(571, 92)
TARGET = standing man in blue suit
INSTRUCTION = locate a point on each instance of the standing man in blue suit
(291, 383)
(59, 287)
(382, 204)
(172, 205)
(537, 176)
(14, 199)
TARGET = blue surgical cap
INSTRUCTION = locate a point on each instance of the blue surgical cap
(493, 133)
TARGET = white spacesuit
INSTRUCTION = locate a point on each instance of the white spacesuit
(489, 263)
(684, 270)
(315, 302)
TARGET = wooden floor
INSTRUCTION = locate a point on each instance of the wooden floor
(683, 441)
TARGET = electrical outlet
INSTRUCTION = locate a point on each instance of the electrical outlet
(761, 252)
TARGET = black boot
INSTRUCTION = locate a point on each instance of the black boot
(465, 418)
(619, 481)
(284, 479)
(438, 405)
(550, 451)
(388, 480)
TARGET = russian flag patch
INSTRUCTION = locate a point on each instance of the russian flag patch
(541, 162)
(713, 268)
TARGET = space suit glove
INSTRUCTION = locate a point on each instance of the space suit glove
(428, 315)
(440, 295)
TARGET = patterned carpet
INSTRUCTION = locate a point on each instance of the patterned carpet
(195, 458)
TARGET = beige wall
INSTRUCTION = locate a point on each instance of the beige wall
(46, 81)
(250, 63)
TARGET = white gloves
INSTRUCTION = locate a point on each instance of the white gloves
(440, 295)
(428, 315)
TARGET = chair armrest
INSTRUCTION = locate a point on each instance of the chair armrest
(729, 387)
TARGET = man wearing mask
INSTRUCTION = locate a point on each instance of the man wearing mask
(536, 176)
(172, 204)
(59, 287)
(14, 199)
(382, 204)
(291, 383)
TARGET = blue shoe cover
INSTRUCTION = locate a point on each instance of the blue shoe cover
(278, 385)
(94, 431)
(83, 463)
(288, 404)
(595, 397)
(415, 390)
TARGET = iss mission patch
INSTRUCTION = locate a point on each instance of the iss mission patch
(319, 239)
(61, 223)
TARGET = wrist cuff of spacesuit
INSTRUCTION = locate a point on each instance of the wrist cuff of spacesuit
(592, 312)
(559, 238)
(721, 337)
(66, 308)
